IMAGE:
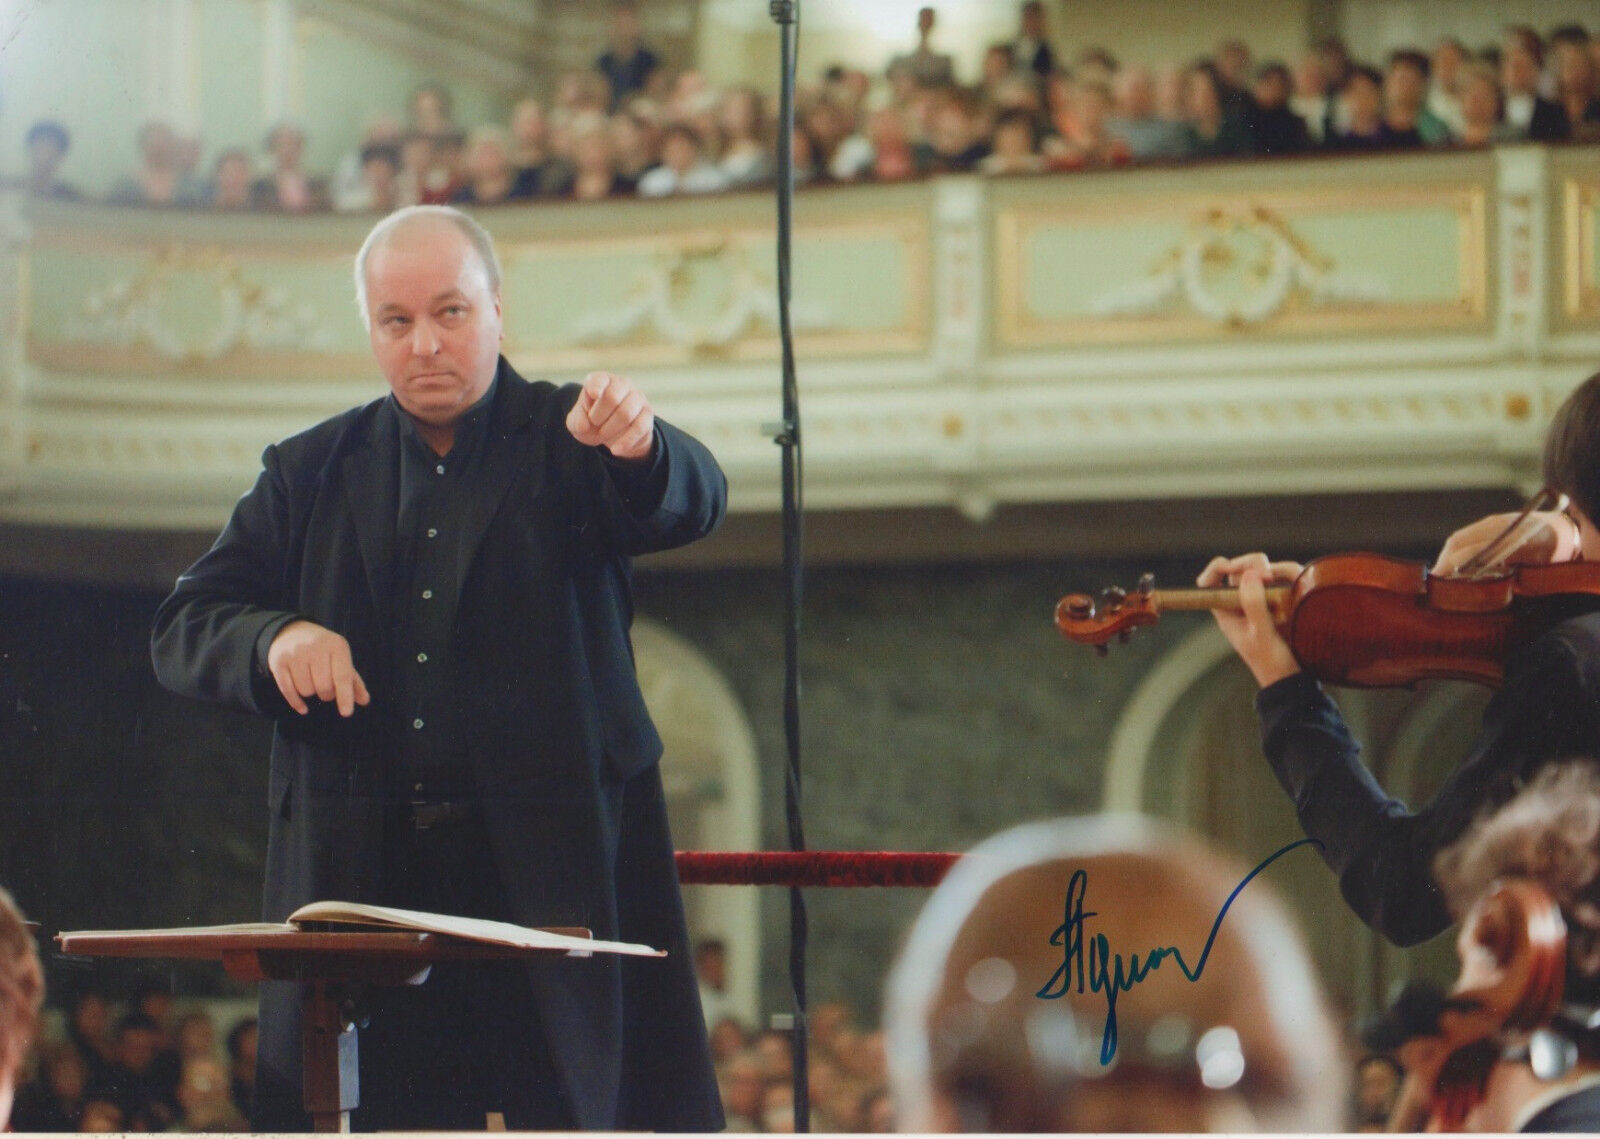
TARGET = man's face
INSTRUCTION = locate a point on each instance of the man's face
(435, 325)
(1519, 73)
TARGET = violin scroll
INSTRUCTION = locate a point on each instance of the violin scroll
(1116, 613)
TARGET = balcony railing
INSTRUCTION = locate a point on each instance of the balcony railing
(1343, 324)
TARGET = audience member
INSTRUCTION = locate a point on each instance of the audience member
(288, 187)
(1232, 62)
(490, 178)
(924, 66)
(53, 1100)
(1366, 127)
(159, 181)
(47, 143)
(1016, 146)
(231, 181)
(1482, 120)
(1405, 100)
(348, 189)
(432, 111)
(21, 996)
(989, 1032)
(444, 176)
(683, 169)
(892, 160)
(1377, 1085)
(102, 1117)
(1084, 137)
(1134, 118)
(1313, 98)
(89, 1031)
(626, 63)
(204, 1103)
(595, 176)
(1212, 132)
(1444, 90)
(742, 1085)
(1578, 93)
(746, 155)
(242, 1064)
(1274, 126)
(1529, 114)
(1031, 49)
(711, 972)
(955, 142)
(133, 1083)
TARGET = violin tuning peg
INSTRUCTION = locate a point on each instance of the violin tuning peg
(1114, 597)
(1080, 608)
(1147, 584)
(1102, 650)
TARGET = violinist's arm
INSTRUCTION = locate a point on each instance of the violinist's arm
(1556, 539)
(1252, 632)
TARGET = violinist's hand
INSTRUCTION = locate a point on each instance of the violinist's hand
(1554, 540)
(1253, 633)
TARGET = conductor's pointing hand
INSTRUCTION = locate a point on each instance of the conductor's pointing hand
(613, 414)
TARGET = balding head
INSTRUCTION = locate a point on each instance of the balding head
(1246, 1044)
(420, 219)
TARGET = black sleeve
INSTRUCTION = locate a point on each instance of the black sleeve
(1381, 851)
(210, 636)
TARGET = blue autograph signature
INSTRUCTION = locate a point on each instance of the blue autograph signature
(1106, 971)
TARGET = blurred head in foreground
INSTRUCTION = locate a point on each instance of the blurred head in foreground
(21, 994)
(1247, 1045)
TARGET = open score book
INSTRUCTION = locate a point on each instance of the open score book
(389, 918)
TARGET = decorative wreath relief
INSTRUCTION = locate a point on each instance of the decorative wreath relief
(1240, 269)
(701, 297)
(194, 305)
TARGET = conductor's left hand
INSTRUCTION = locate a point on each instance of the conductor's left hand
(613, 414)
(1252, 632)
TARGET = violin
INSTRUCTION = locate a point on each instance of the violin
(1370, 621)
(1513, 948)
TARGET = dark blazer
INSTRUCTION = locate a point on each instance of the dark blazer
(561, 746)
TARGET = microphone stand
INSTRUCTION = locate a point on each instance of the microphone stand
(786, 14)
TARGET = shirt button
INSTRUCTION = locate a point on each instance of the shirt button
(422, 658)
(427, 595)
(417, 724)
(439, 470)
(432, 533)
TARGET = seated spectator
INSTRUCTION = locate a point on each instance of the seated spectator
(1313, 99)
(1364, 113)
(728, 1039)
(1481, 108)
(539, 173)
(1529, 114)
(1232, 64)
(1016, 146)
(746, 156)
(89, 1031)
(1578, 92)
(159, 180)
(195, 1035)
(1211, 131)
(288, 188)
(47, 143)
(627, 63)
(490, 178)
(1378, 1078)
(1405, 99)
(997, 68)
(232, 181)
(742, 1086)
(683, 169)
(875, 1114)
(348, 189)
(1084, 137)
(924, 66)
(955, 143)
(203, 1100)
(635, 149)
(1444, 87)
(133, 1083)
(432, 111)
(1275, 129)
(242, 1064)
(1031, 49)
(445, 174)
(989, 1032)
(892, 160)
(381, 181)
(102, 1117)
(595, 176)
(52, 1101)
(828, 127)
(1134, 118)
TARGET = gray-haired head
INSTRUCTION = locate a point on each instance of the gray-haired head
(476, 236)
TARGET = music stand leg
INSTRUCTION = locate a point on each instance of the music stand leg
(328, 1046)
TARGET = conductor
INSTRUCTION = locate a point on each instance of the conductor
(429, 595)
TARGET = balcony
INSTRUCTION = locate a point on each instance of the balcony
(1348, 325)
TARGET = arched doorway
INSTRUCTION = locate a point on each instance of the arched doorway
(713, 792)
